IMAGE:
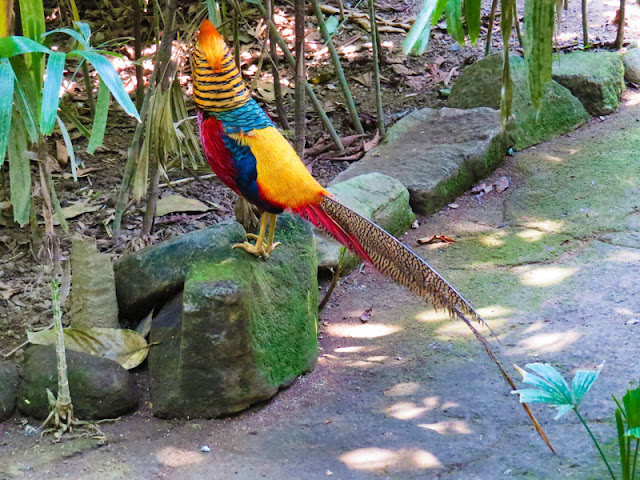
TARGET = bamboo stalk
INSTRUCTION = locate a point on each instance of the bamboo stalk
(137, 48)
(517, 21)
(492, 17)
(299, 119)
(376, 68)
(585, 25)
(273, 54)
(309, 91)
(342, 79)
(620, 35)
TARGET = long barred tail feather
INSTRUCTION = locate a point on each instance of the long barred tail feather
(387, 254)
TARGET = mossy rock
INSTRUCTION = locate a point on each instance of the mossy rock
(479, 85)
(596, 78)
(243, 328)
(8, 389)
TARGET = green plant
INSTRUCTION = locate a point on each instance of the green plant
(552, 389)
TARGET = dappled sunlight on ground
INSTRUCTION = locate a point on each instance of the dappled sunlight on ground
(496, 316)
(373, 459)
(367, 330)
(448, 426)
(552, 158)
(544, 276)
(545, 343)
(530, 235)
(178, 457)
(548, 225)
(624, 256)
(403, 389)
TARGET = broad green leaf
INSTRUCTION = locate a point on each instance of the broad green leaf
(453, 12)
(33, 26)
(538, 43)
(29, 96)
(213, 11)
(552, 378)
(19, 171)
(631, 402)
(6, 105)
(100, 118)
(72, 33)
(437, 13)
(472, 15)
(633, 432)
(11, 46)
(51, 92)
(126, 347)
(582, 383)
(111, 79)
(417, 39)
(69, 145)
(622, 443)
(332, 24)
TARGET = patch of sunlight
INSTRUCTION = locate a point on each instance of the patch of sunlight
(178, 457)
(547, 342)
(402, 389)
(493, 311)
(549, 226)
(374, 458)
(457, 328)
(432, 316)
(493, 240)
(448, 405)
(553, 159)
(405, 410)
(350, 349)
(633, 98)
(530, 235)
(377, 358)
(546, 276)
(359, 363)
(448, 426)
(534, 327)
(366, 330)
(624, 256)
(624, 311)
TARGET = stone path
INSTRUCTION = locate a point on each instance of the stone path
(553, 265)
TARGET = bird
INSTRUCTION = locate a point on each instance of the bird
(248, 154)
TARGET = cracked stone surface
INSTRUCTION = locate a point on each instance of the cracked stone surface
(553, 265)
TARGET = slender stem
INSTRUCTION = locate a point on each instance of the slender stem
(595, 442)
(64, 393)
(300, 120)
(492, 16)
(376, 67)
(517, 21)
(635, 460)
(309, 91)
(137, 48)
(342, 79)
(620, 35)
(88, 86)
(275, 71)
(585, 25)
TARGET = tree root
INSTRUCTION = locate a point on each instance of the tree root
(62, 421)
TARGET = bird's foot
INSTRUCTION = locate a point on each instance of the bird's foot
(259, 249)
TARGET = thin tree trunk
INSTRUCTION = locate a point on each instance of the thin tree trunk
(275, 71)
(376, 68)
(492, 17)
(585, 25)
(517, 22)
(137, 48)
(620, 36)
(300, 120)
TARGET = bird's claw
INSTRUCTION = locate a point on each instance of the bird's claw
(260, 250)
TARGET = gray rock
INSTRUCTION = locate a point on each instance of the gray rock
(380, 198)
(147, 278)
(479, 86)
(596, 78)
(8, 389)
(632, 65)
(100, 388)
(243, 328)
(437, 154)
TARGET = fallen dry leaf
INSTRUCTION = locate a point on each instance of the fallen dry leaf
(435, 239)
(453, 205)
(366, 315)
(76, 209)
(369, 144)
(365, 79)
(81, 172)
(502, 184)
(402, 70)
(61, 152)
(178, 203)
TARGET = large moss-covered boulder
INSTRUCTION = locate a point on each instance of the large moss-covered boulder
(242, 328)
(8, 389)
(100, 388)
(380, 198)
(479, 85)
(147, 278)
(437, 154)
(596, 78)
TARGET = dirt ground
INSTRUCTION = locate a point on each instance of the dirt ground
(407, 394)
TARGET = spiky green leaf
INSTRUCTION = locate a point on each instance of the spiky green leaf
(538, 25)
(69, 145)
(33, 27)
(6, 105)
(416, 41)
(582, 383)
(472, 15)
(15, 45)
(19, 171)
(111, 79)
(85, 30)
(437, 13)
(72, 33)
(631, 401)
(453, 13)
(51, 92)
(100, 118)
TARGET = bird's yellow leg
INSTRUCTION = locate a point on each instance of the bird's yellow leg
(257, 249)
(271, 246)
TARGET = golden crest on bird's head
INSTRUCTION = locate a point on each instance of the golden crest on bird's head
(212, 45)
